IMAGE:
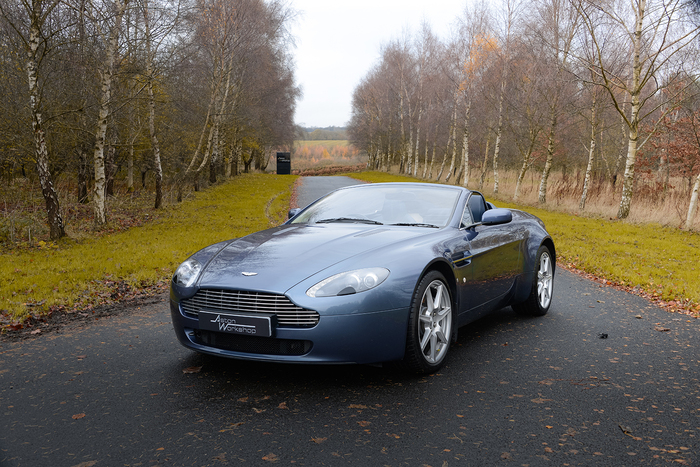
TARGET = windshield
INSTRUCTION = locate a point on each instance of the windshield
(422, 206)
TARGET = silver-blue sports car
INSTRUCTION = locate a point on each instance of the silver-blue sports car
(370, 273)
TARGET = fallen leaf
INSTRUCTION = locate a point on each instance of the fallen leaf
(548, 449)
(318, 440)
(192, 369)
(357, 406)
(271, 458)
(258, 410)
(364, 423)
(283, 405)
(625, 429)
(78, 416)
(661, 329)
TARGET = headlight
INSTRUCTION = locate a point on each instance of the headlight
(347, 283)
(187, 272)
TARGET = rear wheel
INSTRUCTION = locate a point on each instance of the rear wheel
(540, 298)
(429, 325)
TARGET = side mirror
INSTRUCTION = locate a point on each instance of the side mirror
(293, 212)
(497, 216)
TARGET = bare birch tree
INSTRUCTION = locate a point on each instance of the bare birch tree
(511, 13)
(109, 27)
(30, 20)
(653, 33)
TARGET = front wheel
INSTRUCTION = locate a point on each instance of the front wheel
(540, 298)
(429, 325)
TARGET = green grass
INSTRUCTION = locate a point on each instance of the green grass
(662, 261)
(85, 273)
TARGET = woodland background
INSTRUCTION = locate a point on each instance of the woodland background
(592, 106)
(114, 107)
(165, 94)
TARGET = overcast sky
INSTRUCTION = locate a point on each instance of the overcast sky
(338, 42)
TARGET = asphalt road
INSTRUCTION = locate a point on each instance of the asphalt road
(312, 188)
(515, 391)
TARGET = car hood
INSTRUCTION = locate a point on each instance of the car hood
(275, 260)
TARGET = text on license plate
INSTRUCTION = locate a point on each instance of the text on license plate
(260, 326)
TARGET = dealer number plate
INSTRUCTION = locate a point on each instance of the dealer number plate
(247, 325)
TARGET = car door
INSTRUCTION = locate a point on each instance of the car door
(496, 260)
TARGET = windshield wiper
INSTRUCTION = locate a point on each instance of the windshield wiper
(417, 224)
(348, 219)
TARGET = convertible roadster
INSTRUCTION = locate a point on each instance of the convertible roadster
(367, 274)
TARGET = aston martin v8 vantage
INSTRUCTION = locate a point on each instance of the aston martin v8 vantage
(367, 274)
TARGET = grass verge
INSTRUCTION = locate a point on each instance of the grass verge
(73, 274)
(658, 262)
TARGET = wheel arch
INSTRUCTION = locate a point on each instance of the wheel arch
(549, 243)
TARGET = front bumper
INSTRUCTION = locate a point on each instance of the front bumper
(352, 337)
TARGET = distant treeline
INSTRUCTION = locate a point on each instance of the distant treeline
(322, 134)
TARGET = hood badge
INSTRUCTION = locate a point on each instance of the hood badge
(249, 273)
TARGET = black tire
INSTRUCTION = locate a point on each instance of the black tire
(540, 298)
(429, 327)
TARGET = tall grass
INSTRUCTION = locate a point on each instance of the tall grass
(87, 271)
(651, 203)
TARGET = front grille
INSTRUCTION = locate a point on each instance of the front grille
(253, 344)
(288, 314)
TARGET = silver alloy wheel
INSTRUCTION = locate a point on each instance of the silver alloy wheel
(435, 326)
(545, 280)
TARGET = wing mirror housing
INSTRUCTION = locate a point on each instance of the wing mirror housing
(293, 212)
(497, 216)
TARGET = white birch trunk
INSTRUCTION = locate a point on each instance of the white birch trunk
(444, 156)
(499, 131)
(591, 155)
(453, 138)
(542, 198)
(690, 217)
(417, 147)
(103, 114)
(628, 180)
(56, 227)
(432, 156)
(402, 145)
(465, 145)
(155, 145)
(425, 159)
